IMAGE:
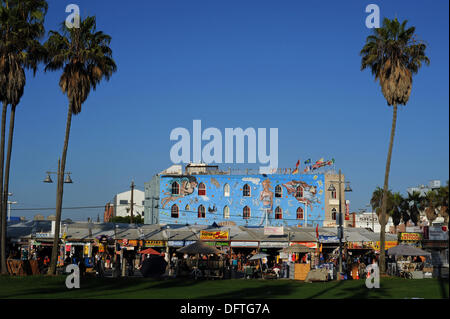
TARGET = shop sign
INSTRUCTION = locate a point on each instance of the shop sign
(387, 245)
(155, 243)
(436, 233)
(328, 239)
(244, 244)
(189, 242)
(176, 243)
(273, 231)
(133, 242)
(360, 245)
(305, 243)
(411, 236)
(213, 235)
(273, 244)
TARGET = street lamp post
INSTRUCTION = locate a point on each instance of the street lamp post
(9, 207)
(68, 180)
(340, 228)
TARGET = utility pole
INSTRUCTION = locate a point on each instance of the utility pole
(132, 203)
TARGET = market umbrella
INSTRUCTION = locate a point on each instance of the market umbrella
(154, 266)
(149, 251)
(199, 247)
(258, 256)
(407, 250)
(297, 249)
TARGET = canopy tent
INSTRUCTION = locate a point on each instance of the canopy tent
(407, 250)
(199, 247)
(297, 249)
(149, 251)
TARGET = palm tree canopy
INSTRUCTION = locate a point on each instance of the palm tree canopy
(21, 27)
(393, 55)
(85, 57)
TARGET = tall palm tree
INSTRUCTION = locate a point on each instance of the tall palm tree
(85, 57)
(393, 55)
(22, 25)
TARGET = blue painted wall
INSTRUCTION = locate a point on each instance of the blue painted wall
(262, 201)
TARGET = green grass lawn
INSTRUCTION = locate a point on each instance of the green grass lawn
(54, 287)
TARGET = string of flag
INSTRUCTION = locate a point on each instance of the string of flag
(318, 164)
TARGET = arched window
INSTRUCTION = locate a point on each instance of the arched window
(187, 208)
(300, 213)
(278, 191)
(299, 192)
(278, 213)
(175, 188)
(226, 190)
(174, 212)
(333, 194)
(246, 214)
(226, 212)
(201, 211)
(201, 189)
(333, 214)
(246, 191)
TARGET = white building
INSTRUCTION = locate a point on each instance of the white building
(424, 189)
(370, 220)
(122, 203)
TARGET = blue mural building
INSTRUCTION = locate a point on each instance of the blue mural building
(203, 195)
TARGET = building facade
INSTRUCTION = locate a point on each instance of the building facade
(122, 203)
(204, 195)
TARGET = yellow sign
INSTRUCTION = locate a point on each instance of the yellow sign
(101, 248)
(411, 236)
(387, 245)
(155, 243)
(86, 250)
(213, 235)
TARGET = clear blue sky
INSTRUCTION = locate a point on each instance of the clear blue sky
(293, 65)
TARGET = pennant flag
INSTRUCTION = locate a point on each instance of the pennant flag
(296, 167)
(308, 161)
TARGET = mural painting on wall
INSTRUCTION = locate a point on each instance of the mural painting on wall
(225, 198)
(187, 186)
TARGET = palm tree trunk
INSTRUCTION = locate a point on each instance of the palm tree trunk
(6, 185)
(2, 158)
(383, 216)
(59, 195)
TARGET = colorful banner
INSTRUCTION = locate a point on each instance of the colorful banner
(213, 235)
(410, 236)
(155, 243)
(305, 243)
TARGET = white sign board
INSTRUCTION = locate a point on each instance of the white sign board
(273, 244)
(436, 233)
(244, 244)
(273, 231)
